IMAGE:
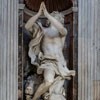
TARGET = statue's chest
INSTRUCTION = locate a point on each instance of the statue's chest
(51, 32)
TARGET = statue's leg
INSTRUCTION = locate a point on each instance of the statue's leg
(48, 80)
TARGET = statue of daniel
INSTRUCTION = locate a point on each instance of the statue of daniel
(45, 50)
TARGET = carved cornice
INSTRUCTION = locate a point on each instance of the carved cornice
(66, 12)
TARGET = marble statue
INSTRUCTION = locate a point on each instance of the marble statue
(45, 51)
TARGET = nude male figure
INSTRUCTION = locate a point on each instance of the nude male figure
(52, 46)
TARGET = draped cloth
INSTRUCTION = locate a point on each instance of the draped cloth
(34, 45)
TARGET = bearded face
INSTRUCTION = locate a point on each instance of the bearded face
(46, 23)
(29, 90)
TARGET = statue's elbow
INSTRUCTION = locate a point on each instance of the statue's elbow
(63, 32)
(26, 26)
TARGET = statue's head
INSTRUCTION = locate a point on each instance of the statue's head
(59, 16)
(29, 86)
(45, 23)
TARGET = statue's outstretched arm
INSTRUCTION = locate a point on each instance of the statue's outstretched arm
(55, 22)
(32, 20)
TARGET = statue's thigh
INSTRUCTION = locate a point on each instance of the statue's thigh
(49, 75)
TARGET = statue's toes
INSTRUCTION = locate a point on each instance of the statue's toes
(72, 72)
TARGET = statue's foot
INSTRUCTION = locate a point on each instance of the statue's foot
(71, 73)
(67, 77)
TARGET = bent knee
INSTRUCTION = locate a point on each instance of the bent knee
(49, 81)
(49, 76)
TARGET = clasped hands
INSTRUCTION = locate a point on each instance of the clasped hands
(43, 10)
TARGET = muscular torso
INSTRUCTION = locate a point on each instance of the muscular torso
(53, 44)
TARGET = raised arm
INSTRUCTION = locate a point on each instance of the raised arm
(33, 19)
(55, 22)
